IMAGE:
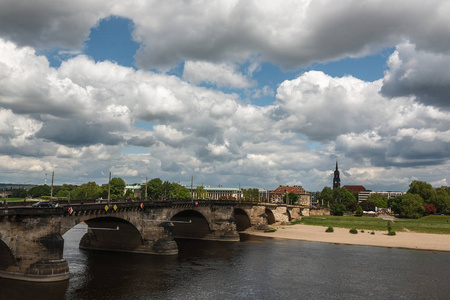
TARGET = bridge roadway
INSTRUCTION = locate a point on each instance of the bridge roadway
(32, 244)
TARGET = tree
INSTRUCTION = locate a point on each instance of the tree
(359, 211)
(154, 188)
(129, 194)
(343, 195)
(351, 206)
(117, 187)
(180, 192)
(250, 194)
(394, 204)
(292, 198)
(88, 190)
(411, 206)
(166, 190)
(367, 205)
(442, 200)
(62, 194)
(326, 196)
(378, 199)
(423, 189)
(430, 209)
(19, 193)
(39, 191)
(200, 192)
(338, 209)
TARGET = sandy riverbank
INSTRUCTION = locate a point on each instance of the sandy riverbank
(410, 240)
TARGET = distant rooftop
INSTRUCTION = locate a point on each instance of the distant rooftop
(355, 188)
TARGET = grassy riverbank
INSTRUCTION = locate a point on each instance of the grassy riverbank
(428, 224)
(12, 199)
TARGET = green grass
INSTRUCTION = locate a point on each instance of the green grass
(368, 223)
(12, 199)
(429, 224)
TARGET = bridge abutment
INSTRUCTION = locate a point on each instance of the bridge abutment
(33, 247)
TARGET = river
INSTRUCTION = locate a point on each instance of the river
(255, 268)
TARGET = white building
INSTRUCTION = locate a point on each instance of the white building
(218, 193)
(362, 196)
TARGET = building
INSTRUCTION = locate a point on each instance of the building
(277, 194)
(355, 189)
(362, 196)
(314, 198)
(264, 195)
(336, 179)
(135, 189)
(5, 194)
(218, 193)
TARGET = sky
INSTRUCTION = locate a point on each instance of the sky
(231, 93)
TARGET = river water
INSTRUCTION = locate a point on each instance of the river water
(255, 268)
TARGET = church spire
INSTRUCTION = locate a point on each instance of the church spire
(336, 179)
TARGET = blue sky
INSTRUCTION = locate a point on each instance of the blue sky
(255, 94)
(112, 40)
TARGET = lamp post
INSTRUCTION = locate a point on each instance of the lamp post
(51, 190)
(145, 188)
(109, 187)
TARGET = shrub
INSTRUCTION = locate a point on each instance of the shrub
(391, 232)
(353, 231)
(373, 232)
(338, 209)
(329, 229)
(359, 211)
(389, 226)
(430, 209)
(362, 230)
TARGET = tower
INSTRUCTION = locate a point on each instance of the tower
(336, 179)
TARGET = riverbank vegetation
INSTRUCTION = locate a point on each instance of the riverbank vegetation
(156, 189)
(420, 200)
(428, 224)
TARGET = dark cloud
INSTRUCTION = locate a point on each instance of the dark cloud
(423, 75)
(410, 152)
(78, 133)
(141, 142)
(46, 24)
(33, 149)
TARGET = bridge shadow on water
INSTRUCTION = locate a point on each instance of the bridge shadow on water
(14, 289)
(119, 275)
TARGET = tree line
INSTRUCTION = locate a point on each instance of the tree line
(421, 199)
(156, 189)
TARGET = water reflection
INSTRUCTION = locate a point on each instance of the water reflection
(14, 289)
(254, 268)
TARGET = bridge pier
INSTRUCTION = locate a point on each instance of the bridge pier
(32, 248)
(112, 234)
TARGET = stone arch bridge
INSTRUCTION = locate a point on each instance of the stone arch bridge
(32, 244)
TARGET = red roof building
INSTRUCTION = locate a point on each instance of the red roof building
(277, 194)
(355, 189)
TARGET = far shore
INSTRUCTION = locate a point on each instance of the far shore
(408, 240)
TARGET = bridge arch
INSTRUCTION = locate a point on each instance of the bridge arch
(242, 219)
(270, 216)
(190, 224)
(111, 233)
(7, 258)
